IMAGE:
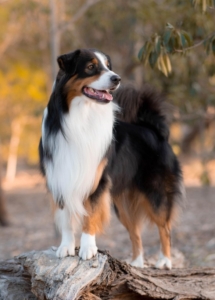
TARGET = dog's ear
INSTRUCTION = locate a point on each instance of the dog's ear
(68, 62)
(109, 62)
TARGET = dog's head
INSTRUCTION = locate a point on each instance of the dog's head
(87, 73)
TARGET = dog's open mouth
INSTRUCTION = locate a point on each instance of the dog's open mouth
(102, 96)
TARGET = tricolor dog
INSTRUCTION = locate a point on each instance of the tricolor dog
(98, 148)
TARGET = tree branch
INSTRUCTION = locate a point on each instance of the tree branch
(78, 14)
(196, 45)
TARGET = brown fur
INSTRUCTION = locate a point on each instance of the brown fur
(94, 61)
(132, 208)
(99, 172)
(98, 214)
(74, 86)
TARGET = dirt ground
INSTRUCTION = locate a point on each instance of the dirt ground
(31, 222)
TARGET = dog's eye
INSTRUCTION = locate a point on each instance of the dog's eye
(90, 67)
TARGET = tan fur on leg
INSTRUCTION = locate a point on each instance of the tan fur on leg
(98, 214)
(99, 172)
(130, 211)
(163, 220)
(132, 207)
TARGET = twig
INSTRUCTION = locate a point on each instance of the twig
(190, 117)
(79, 14)
(196, 45)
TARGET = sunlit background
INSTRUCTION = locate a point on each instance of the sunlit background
(32, 34)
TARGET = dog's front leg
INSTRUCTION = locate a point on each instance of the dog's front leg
(64, 223)
(98, 210)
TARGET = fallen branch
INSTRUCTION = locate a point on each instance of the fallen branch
(41, 275)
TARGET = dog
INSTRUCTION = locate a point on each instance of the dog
(95, 150)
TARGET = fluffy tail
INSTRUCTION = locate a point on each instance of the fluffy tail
(143, 106)
(159, 174)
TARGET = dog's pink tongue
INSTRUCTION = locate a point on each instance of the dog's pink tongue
(100, 94)
(104, 95)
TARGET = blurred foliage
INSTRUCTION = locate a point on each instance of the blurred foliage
(23, 94)
(203, 4)
(119, 28)
(156, 50)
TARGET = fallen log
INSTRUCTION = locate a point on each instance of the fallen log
(41, 275)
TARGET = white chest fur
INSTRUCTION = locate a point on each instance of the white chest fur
(88, 131)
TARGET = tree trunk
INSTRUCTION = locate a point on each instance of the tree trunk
(13, 150)
(41, 275)
(3, 212)
(54, 38)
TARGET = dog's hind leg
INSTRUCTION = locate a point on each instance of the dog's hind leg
(130, 213)
(163, 221)
(65, 225)
(98, 209)
(165, 254)
(137, 248)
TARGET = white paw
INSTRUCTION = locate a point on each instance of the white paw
(88, 247)
(66, 250)
(87, 252)
(163, 261)
(138, 262)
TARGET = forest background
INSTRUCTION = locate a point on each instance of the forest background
(34, 32)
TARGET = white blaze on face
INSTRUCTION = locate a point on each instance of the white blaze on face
(104, 81)
(102, 60)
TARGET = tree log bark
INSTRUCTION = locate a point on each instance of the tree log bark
(41, 275)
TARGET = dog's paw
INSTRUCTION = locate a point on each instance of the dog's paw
(138, 262)
(88, 247)
(163, 262)
(66, 250)
(87, 252)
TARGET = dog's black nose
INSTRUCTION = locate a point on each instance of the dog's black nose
(115, 79)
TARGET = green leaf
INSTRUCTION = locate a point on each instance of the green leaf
(178, 39)
(141, 52)
(183, 41)
(158, 45)
(148, 49)
(188, 38)
(166, 37)
(153, 59)
(171, 46)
